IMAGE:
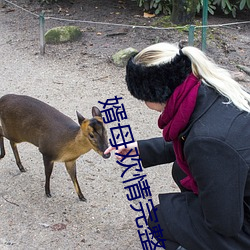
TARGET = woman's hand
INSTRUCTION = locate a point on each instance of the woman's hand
(122, 150)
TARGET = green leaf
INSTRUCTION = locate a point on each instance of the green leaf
(141, 2)
(229, 5)
(242, 4)
(223, 4)
(211, 11)
(248, 4)
(217, 2)
(151, 4)
(198, 7)
(234, 12)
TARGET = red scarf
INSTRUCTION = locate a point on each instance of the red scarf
(174, 119)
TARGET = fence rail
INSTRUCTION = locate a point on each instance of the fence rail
(191, 28)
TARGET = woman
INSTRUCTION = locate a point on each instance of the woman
(205, 118)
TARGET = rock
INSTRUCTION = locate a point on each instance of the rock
(121, 58)
(63, 34)
(239, 76)
(2, 3)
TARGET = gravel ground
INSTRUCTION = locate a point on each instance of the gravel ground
(72, 77)
(69, 79)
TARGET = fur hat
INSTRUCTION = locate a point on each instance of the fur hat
(156, 83)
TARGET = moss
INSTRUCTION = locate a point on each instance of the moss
(63, 34)
(163, 22)
(121, 58)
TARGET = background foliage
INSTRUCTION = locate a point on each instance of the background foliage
(227, 6)
(165, 6)
(48, 1)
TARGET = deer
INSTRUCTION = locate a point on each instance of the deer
(58, 138)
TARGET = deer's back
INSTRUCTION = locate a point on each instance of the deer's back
(24, 118)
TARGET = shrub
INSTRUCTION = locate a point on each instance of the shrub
(157, 6)
(47, 1)
(227, 6)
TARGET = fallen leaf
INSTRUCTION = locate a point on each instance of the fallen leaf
(147, 15)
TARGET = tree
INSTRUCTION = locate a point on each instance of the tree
(183, 11)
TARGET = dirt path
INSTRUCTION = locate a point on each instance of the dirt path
(69, 79)
(74, 77)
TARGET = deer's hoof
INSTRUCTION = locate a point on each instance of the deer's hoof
(48, 195)
(82, 198)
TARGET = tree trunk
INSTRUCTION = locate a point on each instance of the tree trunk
(183, 11)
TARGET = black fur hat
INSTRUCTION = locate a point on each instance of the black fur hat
(156, 83)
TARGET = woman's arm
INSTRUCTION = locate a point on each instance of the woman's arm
(152, 152)
(155, 151)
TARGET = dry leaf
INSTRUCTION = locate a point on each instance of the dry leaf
(147, 15)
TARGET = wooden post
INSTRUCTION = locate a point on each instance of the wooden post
(42, 31)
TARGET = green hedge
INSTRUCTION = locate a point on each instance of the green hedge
(165, 6)
(227, 6)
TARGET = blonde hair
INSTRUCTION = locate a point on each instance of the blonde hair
(202, 67)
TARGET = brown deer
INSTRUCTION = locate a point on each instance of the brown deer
(59, 138)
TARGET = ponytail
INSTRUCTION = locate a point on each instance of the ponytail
(218, 78)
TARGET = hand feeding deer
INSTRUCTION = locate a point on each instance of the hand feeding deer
(59, 138)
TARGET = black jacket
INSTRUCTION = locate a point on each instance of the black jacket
(216, 145)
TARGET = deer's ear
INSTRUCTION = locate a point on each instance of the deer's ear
(96, 112)
(80, 118)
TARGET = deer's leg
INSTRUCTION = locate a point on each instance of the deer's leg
(71, 168)
(18, 161)
(48, 165)
(1, 144)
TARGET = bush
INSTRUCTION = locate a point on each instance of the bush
(47, 1)
(227, 6)
(232, 6)
(156, 6)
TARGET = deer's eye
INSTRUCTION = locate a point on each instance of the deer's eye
(91, 136)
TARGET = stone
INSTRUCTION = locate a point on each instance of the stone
(2, 3)
(63, 34)
(121, 58)
(239, 76)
